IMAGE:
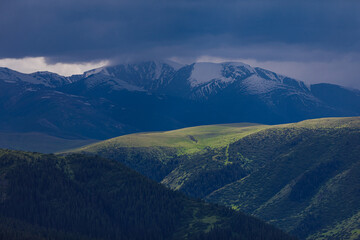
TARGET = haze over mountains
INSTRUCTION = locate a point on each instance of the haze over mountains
(156, 95)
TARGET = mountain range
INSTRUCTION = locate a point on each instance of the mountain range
(154, 96)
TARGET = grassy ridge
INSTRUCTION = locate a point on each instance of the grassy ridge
(160, 154)
(197, 139)
(297, 176)
(187, 140)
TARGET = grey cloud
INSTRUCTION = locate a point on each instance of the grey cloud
(87, 30)
(280, 31)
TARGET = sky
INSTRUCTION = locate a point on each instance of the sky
(310, 40)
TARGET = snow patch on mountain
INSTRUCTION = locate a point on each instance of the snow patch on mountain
(207, 89)
(226, 72)
(258, 85)
(204, 72)
(239, 65)
(47, 79)
(158, 69)
(95, 71)
(265, 88)
(266, 74)
(11, 76)
(95, 81)
(51, 79)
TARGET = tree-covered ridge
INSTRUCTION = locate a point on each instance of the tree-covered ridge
(84, 197)
(302, 177)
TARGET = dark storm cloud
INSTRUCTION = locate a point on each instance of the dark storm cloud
(69, 30)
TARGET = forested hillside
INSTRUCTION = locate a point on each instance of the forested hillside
(83, 197)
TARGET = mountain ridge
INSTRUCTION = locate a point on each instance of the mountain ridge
(156, 96)
(204, 72)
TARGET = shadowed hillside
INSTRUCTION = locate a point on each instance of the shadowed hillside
(302, 177)
(83, 197)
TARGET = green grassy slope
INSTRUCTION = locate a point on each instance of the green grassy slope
(186, 141)
(156, 154)
(301, 177)
(84, 197)
(39, 142)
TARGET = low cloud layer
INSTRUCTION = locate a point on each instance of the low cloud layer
(35, 64)
(301, 32)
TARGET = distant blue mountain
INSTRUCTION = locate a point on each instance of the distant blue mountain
(156, 95)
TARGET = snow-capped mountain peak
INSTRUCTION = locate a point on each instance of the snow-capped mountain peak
(50, 79)
(96, 71)
(46, 79)
(226, 72)
(209, 78)
(204, 72)
(10, 76)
